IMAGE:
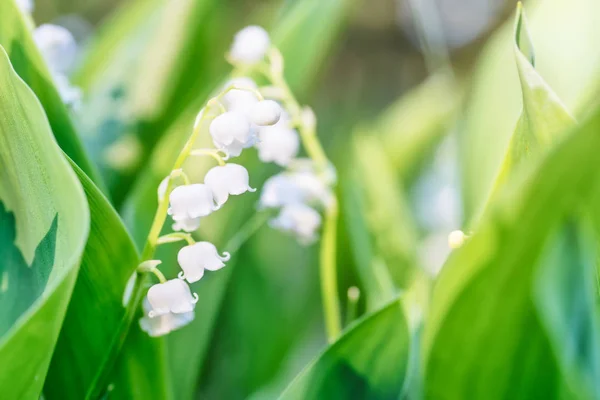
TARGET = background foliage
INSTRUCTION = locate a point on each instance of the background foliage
(489, 125)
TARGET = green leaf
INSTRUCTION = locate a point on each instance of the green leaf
(412, 126)
(90, 333)
(305, 41)
(383, 234)
(45, 223)
(369, 361)
(566, 36)
(492, 296)
(543, 119)
(15, 37)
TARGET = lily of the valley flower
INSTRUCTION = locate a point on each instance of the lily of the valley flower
(57, 45)
(232, 132)
(265, 113)
(197, 257)
(191, 201)
(238, 99)
(173, 296)
(300, 220)
(228, 179)
(163, 324)
(278, 143)
(250, 45)
(295, 187)
(187, 224)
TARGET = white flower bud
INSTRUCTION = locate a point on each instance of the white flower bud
(191, 201)
(300, 220)
(240, 100)
(456, 239)
(308, 118)
(228, 179)
(173, 296)
(195, 258)
(250, 45)
(277, 144)
(57, 45)
(163, 324)
(187, 225)
(232, 132)
(265, 113)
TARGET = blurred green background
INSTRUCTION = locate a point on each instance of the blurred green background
(397, 88)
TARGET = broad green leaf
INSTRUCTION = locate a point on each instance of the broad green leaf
(15, 37)
(566, 37)
(492, 297)
(187, 348)
(44, 222)
(369, 361)
(544, 118)
(90, 333)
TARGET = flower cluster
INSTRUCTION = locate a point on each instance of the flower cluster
(238, 118)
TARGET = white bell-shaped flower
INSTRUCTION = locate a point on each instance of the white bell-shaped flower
(57, 45)
(295, 187)
(197, 257)
(300, 220)
(232, 132)
(191, 201)
(265, 113)
(250, 45)
(280, 190)
(163, 324)
(187, 224)
(238, 99)
(162, 188)
(278, 144)
(173, 296)
(228, 179)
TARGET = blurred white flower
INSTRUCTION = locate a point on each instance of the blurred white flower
(279, 190)
(197, 257)
(26, 5)
(300, 220)
(278, 143)
(191, 201)
(237, 99)
(187, 224)
(163, 324)
(173, 296)
(250, 45)
(58, 47)
(231, 132)
(265, 113)
(228, 179)
(294, 187)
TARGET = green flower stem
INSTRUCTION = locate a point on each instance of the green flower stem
(310, 142)
(175, 237)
